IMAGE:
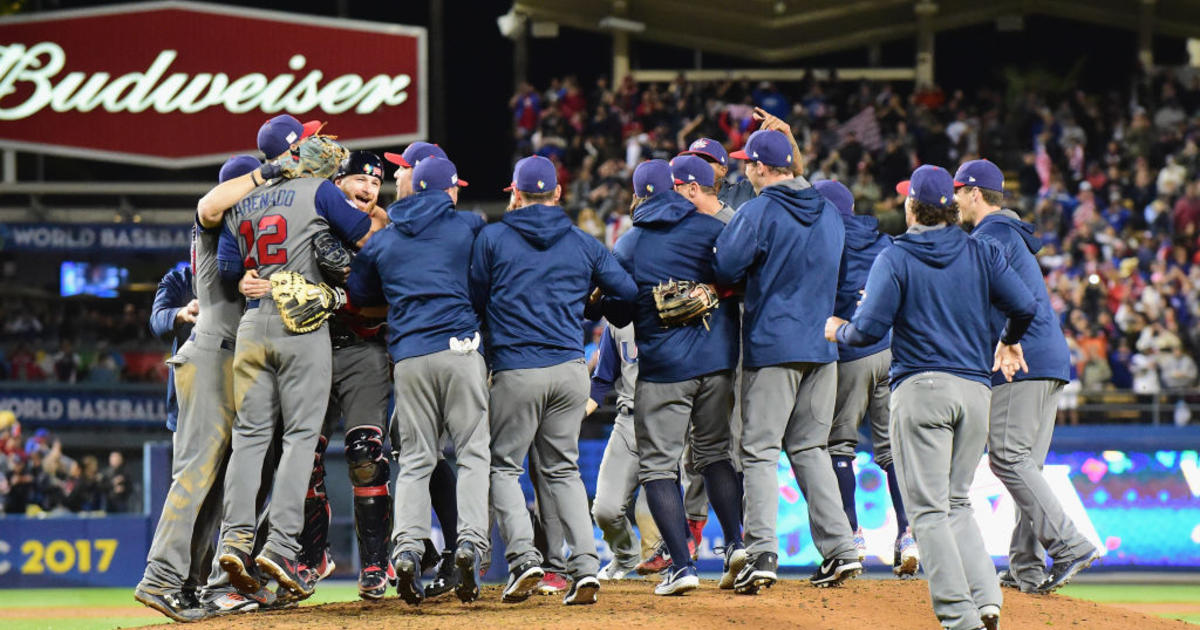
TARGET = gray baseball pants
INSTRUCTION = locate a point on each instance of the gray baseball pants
(445, 391)
(616, 482)
(1022, 423)
(541, 408)
(939, 428)
(862, 387)
(669, 416)
(791, 405)
(200, 445)
(275, 372)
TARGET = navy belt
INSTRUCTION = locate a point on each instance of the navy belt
(226, 344)
(251, 304)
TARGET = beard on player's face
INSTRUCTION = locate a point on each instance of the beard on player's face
(361, 190)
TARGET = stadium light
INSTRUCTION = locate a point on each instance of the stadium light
(613, 23)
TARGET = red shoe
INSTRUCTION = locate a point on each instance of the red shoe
(697, 530)
(552, 583)
(656, 563)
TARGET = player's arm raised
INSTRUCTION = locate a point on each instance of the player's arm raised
(213, 205)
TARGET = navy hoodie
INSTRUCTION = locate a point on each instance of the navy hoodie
(418, 266)
(1044, 345)
(531, 275)
(863, 243)
(670, 240)
(934, 289)
(786, 244)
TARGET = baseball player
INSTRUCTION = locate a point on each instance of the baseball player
(407, 161)
(786, 245)
(862, 381)
(417, 265)
(1023, 411)
(203, 386)
(685, 373)
(274, 369)
(934, 289)
(734, 195)
(531, 274)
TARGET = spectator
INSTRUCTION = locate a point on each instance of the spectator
(1178, 369)
(66, 363)
(115, 484)
(20, 487)
(1144, 367)
(83, 486)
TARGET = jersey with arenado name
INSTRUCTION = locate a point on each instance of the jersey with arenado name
(274, 225)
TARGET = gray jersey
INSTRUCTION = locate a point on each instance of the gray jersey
(627, 349)
(725, 214)
(220, 305)
(275, 225)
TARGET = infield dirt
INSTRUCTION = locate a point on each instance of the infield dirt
(861, 604)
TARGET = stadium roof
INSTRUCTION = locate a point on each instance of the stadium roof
(784, 30)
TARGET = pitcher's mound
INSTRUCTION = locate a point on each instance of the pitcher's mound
(859, 605)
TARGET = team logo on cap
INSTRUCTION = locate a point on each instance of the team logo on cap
(971, 179)
(422, 184)
(454, 179)
(699, 144)
(291, 137)
(372, 170)
(691, 177)
(755, 155)
(789, 158)
(943, 198)
(649, 187)
(541, 184)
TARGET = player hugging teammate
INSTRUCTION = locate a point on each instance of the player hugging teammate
(733, 333)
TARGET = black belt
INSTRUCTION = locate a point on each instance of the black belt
(226, 344)
(251, 304)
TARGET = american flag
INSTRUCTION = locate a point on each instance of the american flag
(864, 125)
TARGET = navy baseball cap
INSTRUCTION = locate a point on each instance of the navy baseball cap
(361, 163)
(278, 134)
(236, 166)
(929, 184)
(435, 174)
(708, 148)
(653, 176)
(686, 169)
(767, 146)
(837, 194)
(414, 153)
(534, 174)
(981, 173)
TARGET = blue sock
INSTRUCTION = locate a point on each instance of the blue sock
(725, 495)
(843, 468)
(897, 501)
(666, 505)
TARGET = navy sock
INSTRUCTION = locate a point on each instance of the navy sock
(897, 501)
(843, 468)
(666, 505)
(725, 495)
(443, 494)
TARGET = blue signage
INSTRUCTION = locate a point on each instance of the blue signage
(95, 237)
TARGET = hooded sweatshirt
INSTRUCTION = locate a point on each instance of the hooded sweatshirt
(934, 289)
(864, 242)
(1044, 346)
(786, 245)
(417, 265)
(531, 275)
(670, 240)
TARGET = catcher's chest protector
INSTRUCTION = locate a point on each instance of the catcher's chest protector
(274, 226)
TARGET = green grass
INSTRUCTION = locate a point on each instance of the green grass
(1134, 593)
(82, 623)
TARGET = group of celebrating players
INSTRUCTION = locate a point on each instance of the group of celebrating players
(741, 319)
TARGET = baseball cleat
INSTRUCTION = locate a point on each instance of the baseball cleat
(860, 544)
(326, 566)
(447, 577)
(735, 561)
(834, 572)
(408, 577)
(521, 581)
(583, 591)
(1007, 580)
(696, 529)
(286, 572)
(552, 583)
(907, 558)
(990, 616)
(171, 604)
(678, 582)
(373, 582)
(657, 563)
(616, 570)
(757, 574)
(466, 562)
(234, 602)
(1062, 571)
(240, 568)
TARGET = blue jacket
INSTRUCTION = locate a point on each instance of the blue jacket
(418, 266)
(669, 240)
(174, 292)
(786, 244)
(736, 194)
(934, 289)
(863, 243)
(1044, 346)
(531, 274)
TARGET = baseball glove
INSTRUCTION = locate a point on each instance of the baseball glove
(332, 257)
(679, 302)
(318, 156)
(303, 306)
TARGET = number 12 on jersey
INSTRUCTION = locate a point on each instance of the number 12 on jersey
(262, 244)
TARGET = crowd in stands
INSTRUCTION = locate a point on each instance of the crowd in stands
(60, 340)
(1110, 180)
(37, 477)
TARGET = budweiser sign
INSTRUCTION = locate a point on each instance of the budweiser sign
(181, 84)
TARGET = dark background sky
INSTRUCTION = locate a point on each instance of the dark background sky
(478, 71)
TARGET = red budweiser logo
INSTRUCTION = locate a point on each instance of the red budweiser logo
(179, 84)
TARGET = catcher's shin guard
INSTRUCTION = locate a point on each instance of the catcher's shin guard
(314, 538)
(369, 473)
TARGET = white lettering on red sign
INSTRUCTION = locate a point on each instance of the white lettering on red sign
(39, 66)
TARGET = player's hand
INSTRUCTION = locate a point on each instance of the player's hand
(252, 286)
(187, 314)
(1009, 359)
(769, 121)
(831, 327)
(590, 407)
